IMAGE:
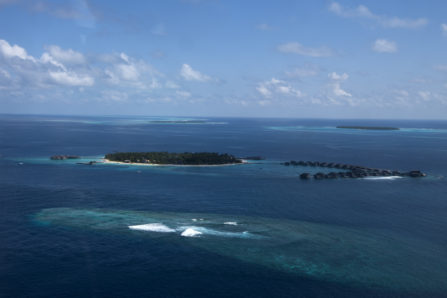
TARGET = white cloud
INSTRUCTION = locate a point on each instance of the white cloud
(124, 70)
(171, 85)
(444, 29)
(297, 48)
(441, 67)
(162, 99)
(5, 73)
(264, 90)
(306, 71)
(59, 57)
(128, 72)
(284, 89)
(278, 87)
(395, 22)
(190, 74)
(154, 84)
(71, 78)
(340, 92)
(264, 27)
(124, 57)
(79, 10)
(425, 95)
(419, 80)
(159, 30)
(66, 56)
(184, 94)
(15, 51)
(264, 102)
(237, 101)
(403, 93)
(401, 97)
(384, 46)
(57, 10)
(47, 58)
(336, 77)
(65, 71)
(362, 11)
(44, 72)
(335, 85)
(113, 95)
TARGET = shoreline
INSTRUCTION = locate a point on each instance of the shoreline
(107, 161)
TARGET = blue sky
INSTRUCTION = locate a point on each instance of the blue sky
(326, 59)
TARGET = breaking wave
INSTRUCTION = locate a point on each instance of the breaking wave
(193, 231)
(190, 232)
(153, 227)
(231, 223)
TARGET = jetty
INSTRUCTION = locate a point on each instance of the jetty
(348, 171)
(89, 163)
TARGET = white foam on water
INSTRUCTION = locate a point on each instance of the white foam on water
(153, 227)
(231, 223)
(194, 219)
(190, 232)
(383, 178)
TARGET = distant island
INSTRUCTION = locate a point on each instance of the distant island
(64, 157)
(369, 127)
(177, 122)
(167, 158)
(253, 158)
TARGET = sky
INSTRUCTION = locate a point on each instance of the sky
(238, 58)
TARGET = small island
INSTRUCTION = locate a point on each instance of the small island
(167, 158)
(368, 127)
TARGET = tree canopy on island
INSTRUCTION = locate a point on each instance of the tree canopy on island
(186, 158)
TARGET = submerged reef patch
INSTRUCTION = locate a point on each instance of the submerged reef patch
(332, 253)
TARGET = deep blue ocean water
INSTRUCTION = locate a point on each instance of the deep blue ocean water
(397, 226)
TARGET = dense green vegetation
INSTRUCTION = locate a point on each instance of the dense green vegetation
(186, 158)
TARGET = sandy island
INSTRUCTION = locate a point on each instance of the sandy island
(107, 161)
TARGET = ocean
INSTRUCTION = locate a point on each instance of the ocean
(250, 230)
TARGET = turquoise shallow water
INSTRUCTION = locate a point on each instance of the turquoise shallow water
(259, 231)
(333, 129)
(123, 121)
